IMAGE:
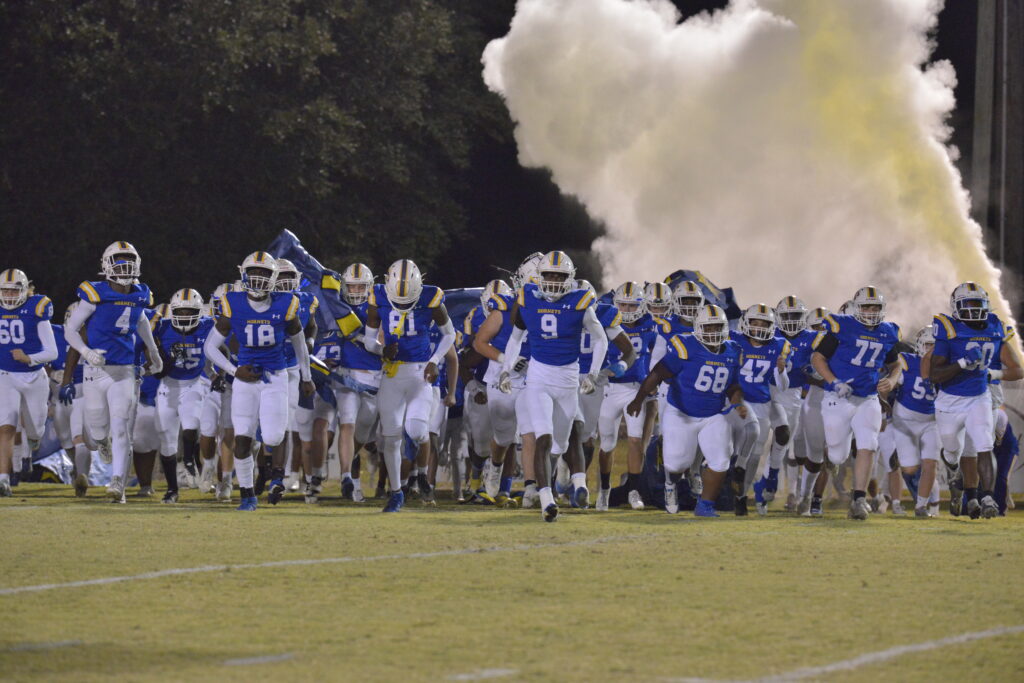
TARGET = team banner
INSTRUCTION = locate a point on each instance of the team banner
(712, 293)
(334, 313)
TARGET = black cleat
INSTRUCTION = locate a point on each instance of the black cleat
(276, 492)
(551, 513)
(170, 497)
(741, 506)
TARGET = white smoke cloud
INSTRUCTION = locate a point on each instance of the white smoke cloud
(779, 146)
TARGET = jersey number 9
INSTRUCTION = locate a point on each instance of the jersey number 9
(548, 326)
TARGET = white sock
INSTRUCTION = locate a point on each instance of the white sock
(921, 502)
(933, 497)
(5, 478)
(546, 498)
(356, 483)
(345, 476)
(393, 461)
(309, 478)
(579, 480)
(243, 466)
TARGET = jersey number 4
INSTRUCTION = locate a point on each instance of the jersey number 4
(259, 335)
(712, 378)
(12, 332)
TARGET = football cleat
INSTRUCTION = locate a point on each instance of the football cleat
(145, 492)
(897, 508)
(814, 509)
(859, 509)
(973, 508)
(224, 491)
(5, 489)
(357, 494)
(505, 500)
(492, 479)
(170, 498)
(347, 488)
(248, 504)
(293, 483)
(531, 497)
(312, 492)
(759, 493)
(635, 501)
(741, 506)
(581, 497)
(921, 511)
(603, 496)
(81, 485)
(705, 508)
(276, 492)
(550, 513)
(671, 499)
(791, 503)
(803, 506)
(395, 502)
(115, 490)
(933, 509)
(989, 509)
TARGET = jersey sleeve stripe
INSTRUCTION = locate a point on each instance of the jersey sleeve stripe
(90, 292)
(832, 324)
(903, 362)
(225, 307)
(436, 301)
(293, 309)
(41, 306)
(950, 330)
(817, 339)
(587, 299)
(680, 347)
(499, 303)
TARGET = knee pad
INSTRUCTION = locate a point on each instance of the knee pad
(418, 430)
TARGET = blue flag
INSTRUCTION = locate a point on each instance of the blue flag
(712, 293)
(334, 313)
(460, 302)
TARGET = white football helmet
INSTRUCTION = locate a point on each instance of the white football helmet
(710, 326)
(287, 276)
(629, 294)
(497, 288)
(14, 288)
(846, 308)
(791, 315)
(403, 284)
(121, 263)
(527, 271)
(658, 298)
(869, 296)
(689, 298)
(259, 273)
(924, 340)
(969, 302)
(816, 318)
(185, 308)
(67, 313)
(553, 264)
(218, 295)
(160, 311)
(356, 283)
(585, 284)
(760, 312)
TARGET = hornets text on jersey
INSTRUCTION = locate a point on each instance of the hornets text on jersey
(916, 392)
(641, 335)
(308, 303)
(112, 326)
(184, 351)
(954, 338)
(758, 370)
(410, 329)
(261, 335)
(19, 329)
(861, 352)
(555, 327)
(701, 377)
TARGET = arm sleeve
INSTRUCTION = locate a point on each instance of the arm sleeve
(301, 354)
(828, 345)
(512, 348)
(659, 350)
(145, 331)
(49, 350)
(593, 326)
(781, 379)
(78, 318)
(370, 341)
(447, 340)
(212, 350)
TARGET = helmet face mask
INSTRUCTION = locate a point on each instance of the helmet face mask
(14, 288)
(688, 299)
(556, 275)
(758, 323)
(629, 299)
(287, 276)
(924, 342)
(259, 274)
(710, 326)
(121, 263)
(868, 306)
(356, 283)
(969, 303)
(185, 309)
(403, 284)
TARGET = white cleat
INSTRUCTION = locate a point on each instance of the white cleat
(671, 500)
(492, 479)
(224, 491)
(357, 494)
(115, 490)
(291, 482)
(145, 492)
(206, 484)
(5, 489)
(603, 495)
(897, 508)
(804, 506)
(105, 453)
(989, 508)
(531, 497)
(762, 509)
(635, 501)
(859, 509)
(933, 509)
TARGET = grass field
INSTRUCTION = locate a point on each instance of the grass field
(466, 593)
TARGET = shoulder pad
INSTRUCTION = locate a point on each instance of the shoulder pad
(87, 292)
(833, 324)
(496, 303)
(678, 342)
(43, 307)
(585, 300)
(943, 327)
(431, 296)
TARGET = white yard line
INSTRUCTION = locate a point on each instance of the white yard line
(483, 674)
(33, 647)
(869, 658)
(265, 659)
(15, 590)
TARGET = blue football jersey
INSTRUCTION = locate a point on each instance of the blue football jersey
(261, 335)
(354, 355)
(555, 327)
(62, 348)
(308, 303)
(799, 356)
(184, 350)
(608, 316)
(671, 325)
(642, 335)
(916, 392)
(112, 326)
(147, 390)
(861, 351)
(409, 328)
(502, 304)
(953, 338)
(328, 347)
(758, 369)
(19, 329)
(701, 377)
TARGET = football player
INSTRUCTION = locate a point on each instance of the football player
(856, 357)
(112, 312)
(260, 319)
(27, 344)
(179, 401)
(702, 369)
(405, 308)
(215, 418)
(810, 434)
(960, 366)
(764, 366)
(640, 331)
(555, 316)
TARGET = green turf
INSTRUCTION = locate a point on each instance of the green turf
(596, 596)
